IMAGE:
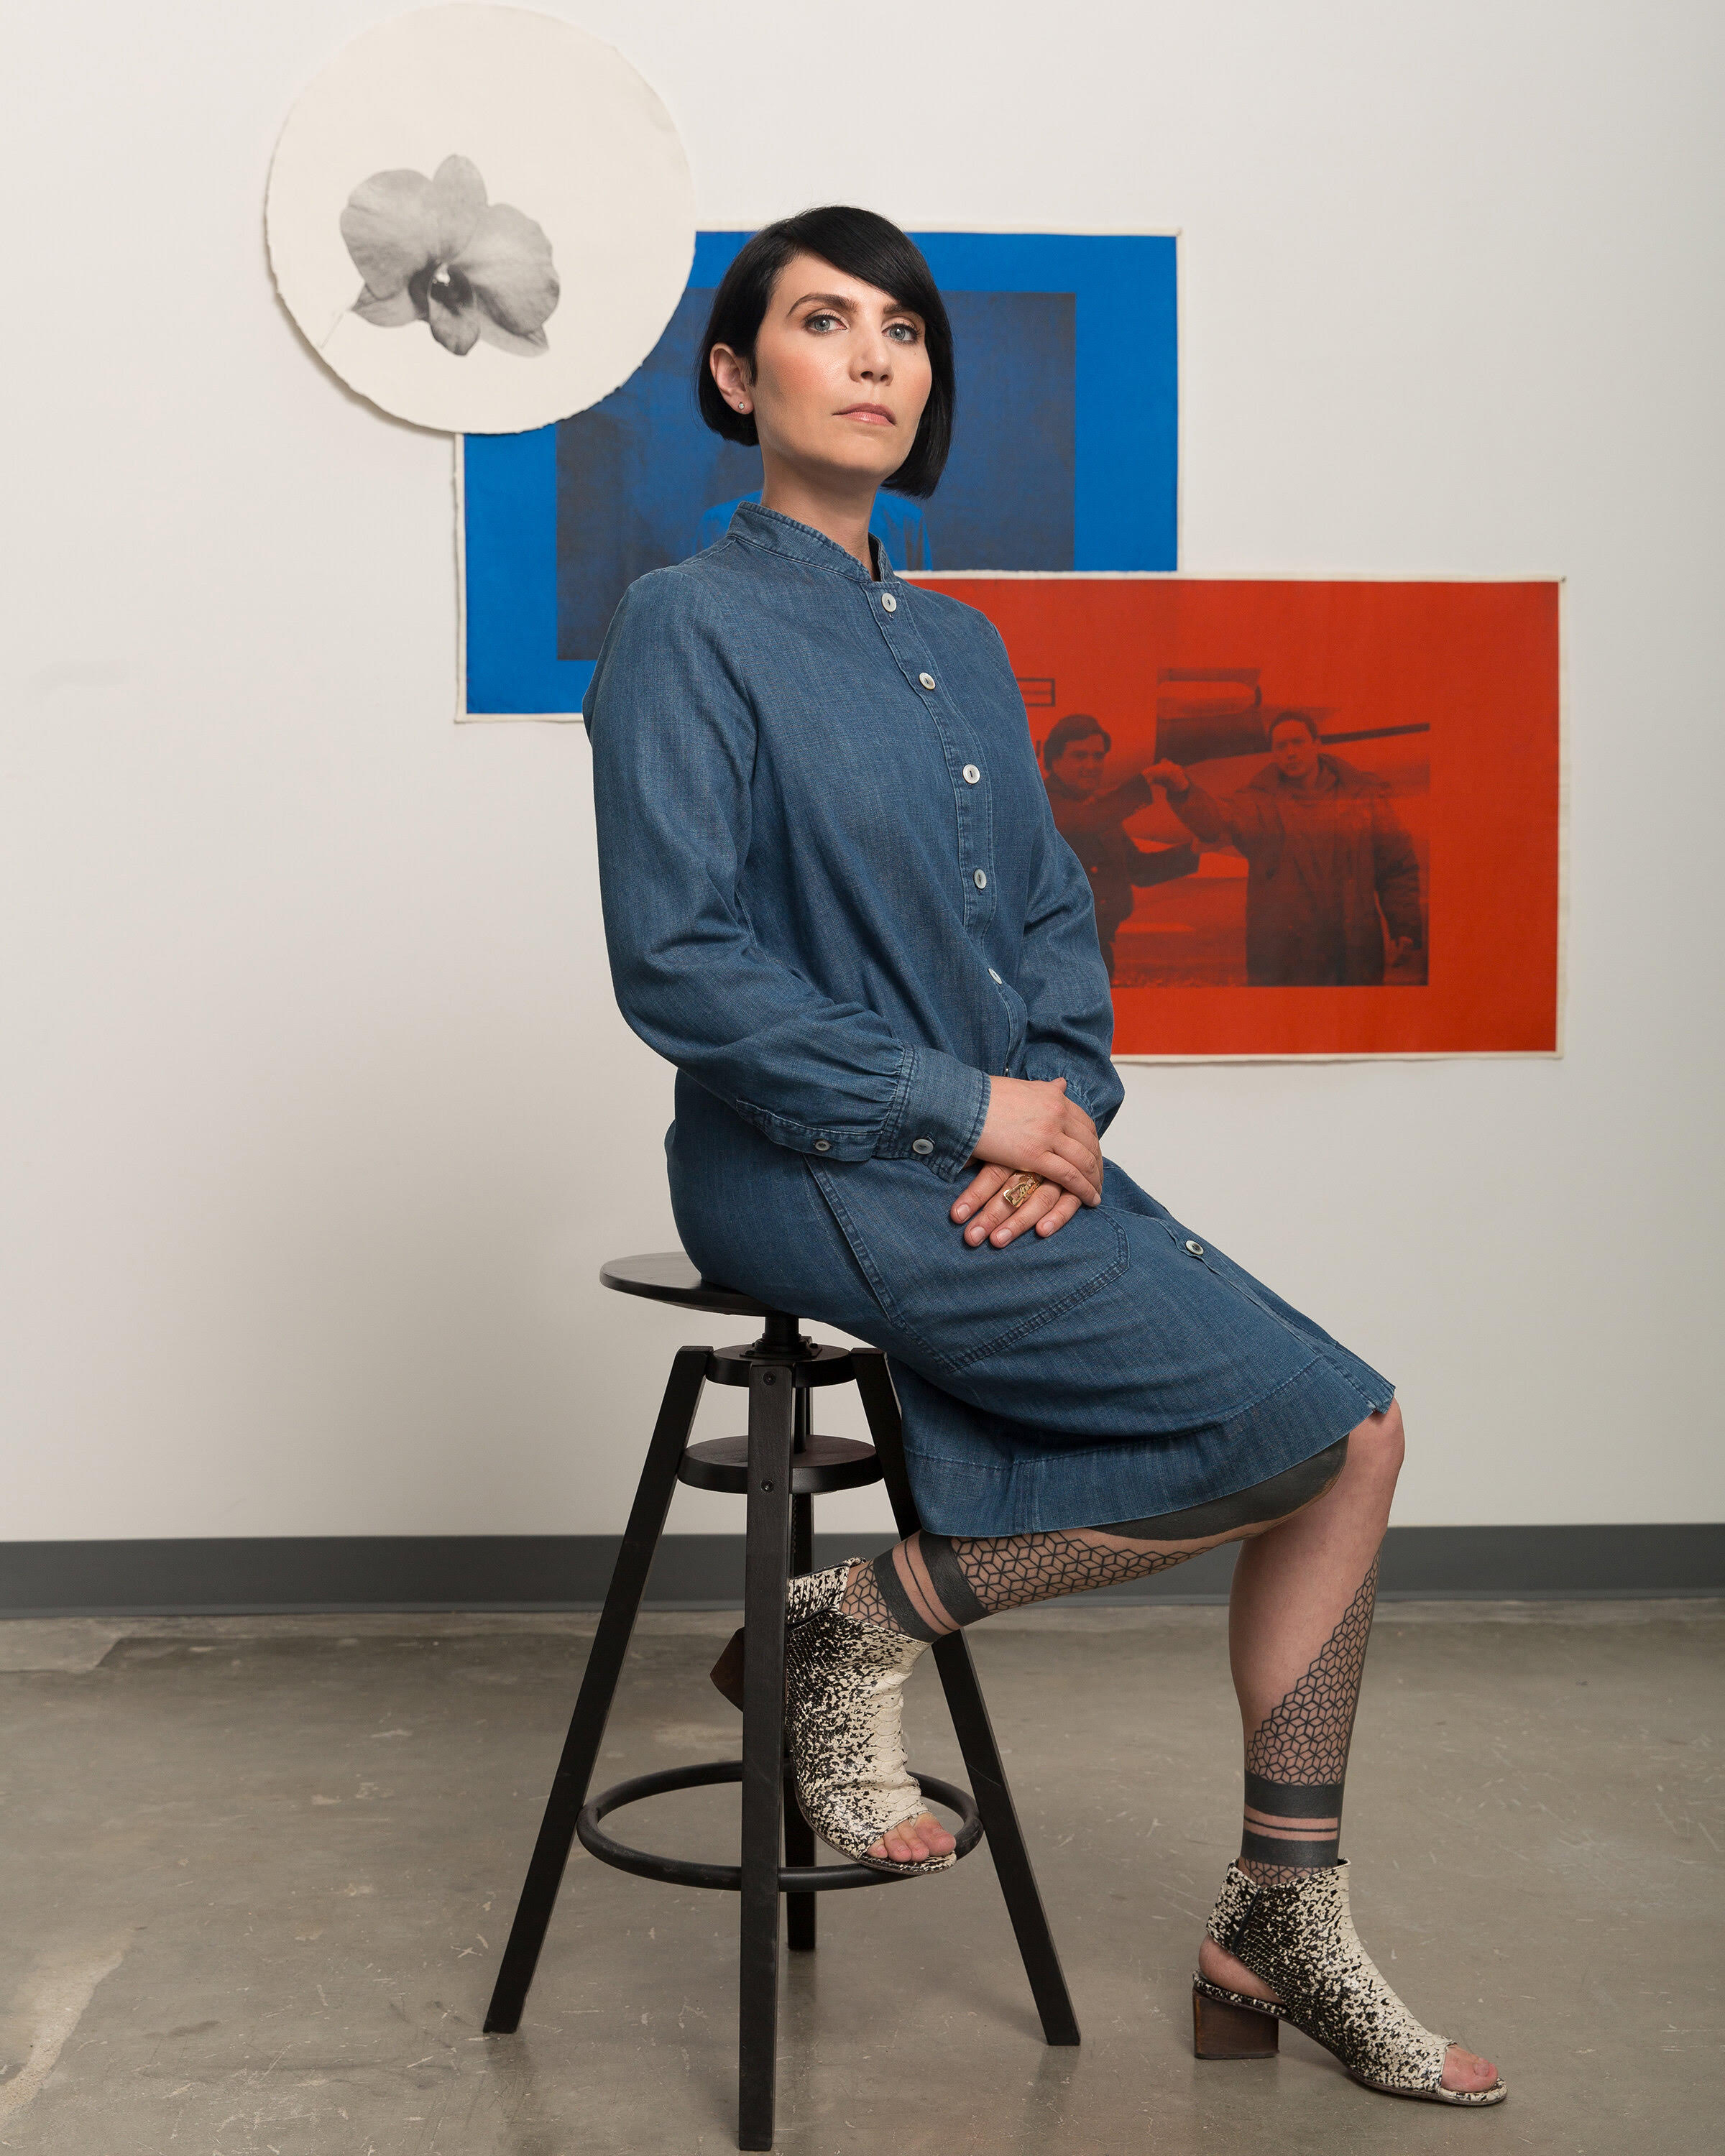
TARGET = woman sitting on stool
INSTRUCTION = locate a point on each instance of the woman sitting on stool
(834, 897)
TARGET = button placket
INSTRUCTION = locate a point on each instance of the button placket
(972, 808)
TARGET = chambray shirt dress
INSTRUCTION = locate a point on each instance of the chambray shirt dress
(834, 897)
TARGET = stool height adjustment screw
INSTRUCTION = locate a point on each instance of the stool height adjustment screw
(766, 1486)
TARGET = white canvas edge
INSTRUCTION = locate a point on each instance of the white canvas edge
(458, 468)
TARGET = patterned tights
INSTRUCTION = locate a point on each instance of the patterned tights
(1297, 1757)
(946, 1581)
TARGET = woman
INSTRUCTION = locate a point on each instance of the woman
(835, 899)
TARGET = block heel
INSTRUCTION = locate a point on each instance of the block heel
(1300, 1939)
(1223, 2027)
(726, 1673)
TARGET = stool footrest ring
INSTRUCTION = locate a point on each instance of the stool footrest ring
(792, 1878)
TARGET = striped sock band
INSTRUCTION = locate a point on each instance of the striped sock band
(905, 1614)
(1298, 1824)
(958, 1596)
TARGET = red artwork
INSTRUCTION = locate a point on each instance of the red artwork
(1320, 817)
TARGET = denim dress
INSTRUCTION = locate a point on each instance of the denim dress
(834, 897)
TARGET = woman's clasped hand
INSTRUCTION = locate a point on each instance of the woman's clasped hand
(1031, 1128)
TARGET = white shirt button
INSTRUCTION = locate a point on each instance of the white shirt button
(921, 1144)
(823, 1145)
(994, 976)
(1196, 1249)
(888, 601)
(970, 774)
(927, 679)
(979, 879)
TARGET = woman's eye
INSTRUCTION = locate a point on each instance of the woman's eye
(906, 332)
(821, 322)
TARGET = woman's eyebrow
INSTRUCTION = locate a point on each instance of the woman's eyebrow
(839, 300)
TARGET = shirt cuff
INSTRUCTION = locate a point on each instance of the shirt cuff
(938, 1114)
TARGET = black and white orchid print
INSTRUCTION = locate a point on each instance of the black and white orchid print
(436, 251)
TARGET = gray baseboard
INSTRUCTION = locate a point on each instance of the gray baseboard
(210, 1577)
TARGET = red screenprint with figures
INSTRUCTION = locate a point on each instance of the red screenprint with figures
(1320, 817)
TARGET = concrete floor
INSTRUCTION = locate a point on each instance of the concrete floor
(258, 1873)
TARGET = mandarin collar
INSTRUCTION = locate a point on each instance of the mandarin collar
(802, 542)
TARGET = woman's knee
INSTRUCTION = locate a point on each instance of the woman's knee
(1379, 1444)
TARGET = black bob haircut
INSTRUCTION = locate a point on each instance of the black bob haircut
(864, 246)
(1076, 725)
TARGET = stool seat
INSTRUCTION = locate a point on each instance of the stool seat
(671, 1277)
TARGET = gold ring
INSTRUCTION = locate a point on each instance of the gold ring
(1017, 1192)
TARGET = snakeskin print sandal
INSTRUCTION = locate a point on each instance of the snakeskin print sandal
(1300, 1939)
(844, 1719)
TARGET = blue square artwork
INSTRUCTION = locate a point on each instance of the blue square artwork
(1064, 457)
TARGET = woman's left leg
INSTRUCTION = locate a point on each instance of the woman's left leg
(933, 1584)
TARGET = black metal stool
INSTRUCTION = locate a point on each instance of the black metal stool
(779, 1466)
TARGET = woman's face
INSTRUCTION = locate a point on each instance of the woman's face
(840, 376)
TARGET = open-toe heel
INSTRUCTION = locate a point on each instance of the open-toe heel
(1224, 2027)
(1300, 1940)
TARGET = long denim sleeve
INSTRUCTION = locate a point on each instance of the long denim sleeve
(833, 893)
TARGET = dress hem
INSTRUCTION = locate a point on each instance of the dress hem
(1142, 1478)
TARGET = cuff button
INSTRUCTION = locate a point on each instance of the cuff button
(921, 1144)
(823, 1145)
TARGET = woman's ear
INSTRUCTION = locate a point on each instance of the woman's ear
(733, 375)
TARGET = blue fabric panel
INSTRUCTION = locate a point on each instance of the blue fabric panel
(1066, 457)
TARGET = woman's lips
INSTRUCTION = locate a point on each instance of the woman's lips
(876, 415)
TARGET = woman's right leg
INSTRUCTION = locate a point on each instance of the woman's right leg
(1300, 1616)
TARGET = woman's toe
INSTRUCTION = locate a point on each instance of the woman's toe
(932, 1837)
(1466, 2072)
(913, 1841)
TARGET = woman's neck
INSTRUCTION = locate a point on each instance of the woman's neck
(839, 513)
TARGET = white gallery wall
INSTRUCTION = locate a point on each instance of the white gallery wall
(318, 1116)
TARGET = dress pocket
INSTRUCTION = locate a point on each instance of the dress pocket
(962, 1304)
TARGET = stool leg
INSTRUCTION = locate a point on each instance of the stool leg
(975, 1733)
(766, 1570)
(798, 1834)
(598, 1685)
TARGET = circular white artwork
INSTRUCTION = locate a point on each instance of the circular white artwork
(481, 218)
